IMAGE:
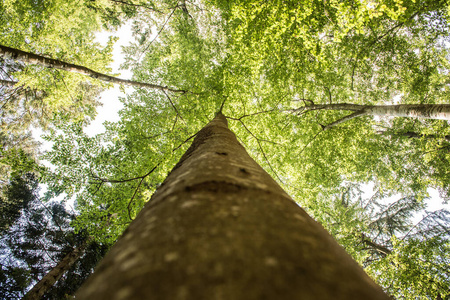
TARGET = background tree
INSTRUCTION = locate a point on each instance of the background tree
(399, 242)
(39, 239)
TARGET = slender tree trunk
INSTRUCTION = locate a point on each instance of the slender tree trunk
(44, 285)
(221, 228)
(425, 111)
(43, 61)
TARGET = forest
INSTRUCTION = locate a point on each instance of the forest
(344, 103)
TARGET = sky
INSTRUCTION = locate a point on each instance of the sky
(110, 97)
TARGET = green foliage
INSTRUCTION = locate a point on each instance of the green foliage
(37, 96)
(260, 61)
(16, 196)
(409, 259)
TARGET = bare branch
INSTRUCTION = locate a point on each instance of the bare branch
(262, 150)
(344, 119)
(173, 105)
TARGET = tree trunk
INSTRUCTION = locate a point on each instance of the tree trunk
(425, 111)
(44, 285)
(221, 228)
(43, 61)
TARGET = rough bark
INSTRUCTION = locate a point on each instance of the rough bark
(44, 285)
(43, 61)
(221, 228)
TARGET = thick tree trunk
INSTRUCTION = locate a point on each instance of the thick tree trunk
(35, 59)
(44, 285)
(221, 228)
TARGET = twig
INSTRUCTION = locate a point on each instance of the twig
(309, 142)
(173, 105)
(344, 119)
(184, 142)
(262, 151)
(137, 5)
(159, 32)
(132, 198)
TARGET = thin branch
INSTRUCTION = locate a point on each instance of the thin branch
(159, 32)
(262, 150)
(252, 114)
(309, 142)
(173, 105)
(137, 5)
(436, 150)
(417, 224)
(32, 58)
(132, 198)
(123, 180)
(344, 119)
(8, 83)
(137, 188)
(45, 250)
(184, 142)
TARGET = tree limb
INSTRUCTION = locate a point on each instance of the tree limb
(35, 59)
(344, 119)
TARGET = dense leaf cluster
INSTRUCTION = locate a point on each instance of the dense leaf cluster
(263, 63)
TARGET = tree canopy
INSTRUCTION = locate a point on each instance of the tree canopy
(264, 65)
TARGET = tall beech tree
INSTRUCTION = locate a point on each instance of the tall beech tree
(255, 61)
(220, 227)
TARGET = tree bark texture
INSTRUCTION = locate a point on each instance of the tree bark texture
(44, 285)
(220, 227)
(43, 61)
